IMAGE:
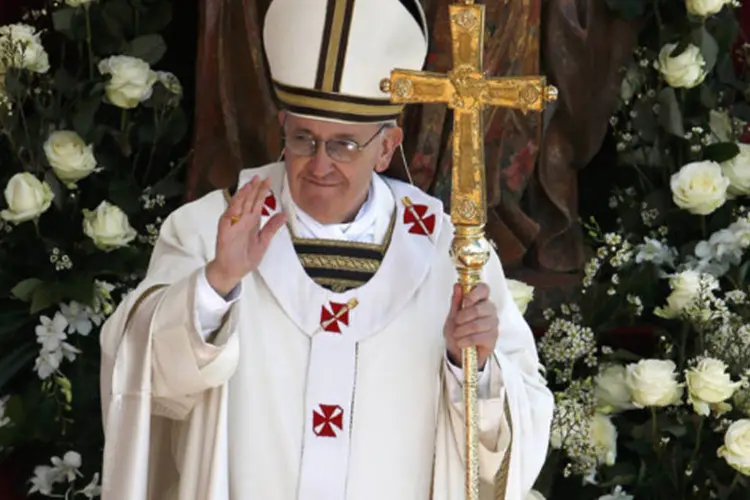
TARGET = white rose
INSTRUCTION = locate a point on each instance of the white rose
(611, 391)
(705, 8)
(686, 287)
(78, 3)
(69, 156)
(709, 383)
(521, 293)
(108, 227)
(27, 198)
(131, 82)
(535, 495)
(21, 47)
(653, 382)
(604, 439)
(737, 171)
(699, 187)
(736, 449)
(685, 70)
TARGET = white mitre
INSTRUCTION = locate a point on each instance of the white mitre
(328, 57)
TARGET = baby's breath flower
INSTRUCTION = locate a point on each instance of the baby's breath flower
(564, 344)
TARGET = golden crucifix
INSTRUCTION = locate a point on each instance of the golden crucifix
(467, 91)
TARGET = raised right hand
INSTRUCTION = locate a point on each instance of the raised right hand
(240, 246)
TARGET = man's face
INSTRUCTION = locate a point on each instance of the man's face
(330, 181)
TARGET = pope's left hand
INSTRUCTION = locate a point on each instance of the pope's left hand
(472, 322)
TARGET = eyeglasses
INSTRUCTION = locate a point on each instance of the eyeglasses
(340, 150)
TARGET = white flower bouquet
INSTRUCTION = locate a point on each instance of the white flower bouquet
(92, 141)
(650, 365)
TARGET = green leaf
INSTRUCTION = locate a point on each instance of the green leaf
(11, 321)
(640, 445)
(25, 289)
(44, 297)
(644, 122)
(708, 98)
(123, 141)
(126, 196)
(63, 81)
(681, 46)
(14, 361)
(57, 189)
(742, 273)
(726, 73)
(708, 47)
(676, 430)
(741, 110)
(670, 114)
(721, 152)
(157, 19)
(117, 16)
(176, 127)
(168, 187)
(62, 21)
(14, 85)
(150, 48)
(147, 133)
(83, 120)
(81, 290)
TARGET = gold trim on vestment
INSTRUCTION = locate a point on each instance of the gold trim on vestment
(339, 262)
(501, 479)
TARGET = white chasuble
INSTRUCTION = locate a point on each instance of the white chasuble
(306, 393)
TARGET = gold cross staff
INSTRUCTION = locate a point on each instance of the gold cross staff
(467, 91)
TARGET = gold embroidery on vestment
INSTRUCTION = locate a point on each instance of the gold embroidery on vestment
(339, 262)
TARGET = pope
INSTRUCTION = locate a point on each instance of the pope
(299, 335)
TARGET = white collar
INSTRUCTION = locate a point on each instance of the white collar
(369, 225)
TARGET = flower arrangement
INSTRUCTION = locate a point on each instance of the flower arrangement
(666, 415)
(92, 141)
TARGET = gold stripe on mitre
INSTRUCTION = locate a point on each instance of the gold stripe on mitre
(326, 104)
(337, 33)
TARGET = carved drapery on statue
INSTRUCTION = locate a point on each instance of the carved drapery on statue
(235, 122)
(584, 47)
(532, 198)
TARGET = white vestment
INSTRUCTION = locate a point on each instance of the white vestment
(296, 396)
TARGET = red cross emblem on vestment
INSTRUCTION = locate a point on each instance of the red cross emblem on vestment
(269, 205)
(332, 319)
(328, 420)
(417, 216)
